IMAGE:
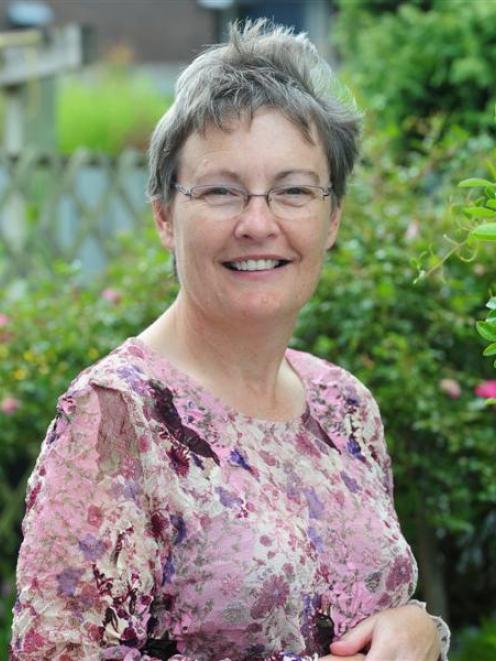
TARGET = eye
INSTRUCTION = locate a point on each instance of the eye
(296, 195)
(295, 190)
(221, 191)
(216, 194)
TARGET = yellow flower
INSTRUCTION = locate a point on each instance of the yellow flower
(20, 374)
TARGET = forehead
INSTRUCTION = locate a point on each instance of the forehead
(266, 143)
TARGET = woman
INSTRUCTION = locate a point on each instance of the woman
(204, 492)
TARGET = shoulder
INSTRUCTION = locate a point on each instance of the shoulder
(336, 396)
(103, 401)
(124, 367)
(321, 375)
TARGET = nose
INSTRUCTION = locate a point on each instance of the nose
(256, 220)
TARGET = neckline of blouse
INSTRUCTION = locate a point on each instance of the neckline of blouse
(218, 404)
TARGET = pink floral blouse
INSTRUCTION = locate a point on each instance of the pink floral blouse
(162, 524)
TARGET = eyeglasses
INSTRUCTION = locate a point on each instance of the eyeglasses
(292, 201)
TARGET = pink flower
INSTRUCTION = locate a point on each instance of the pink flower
(9, 405)
(4, 320)
(450, 387)
(486, 389)
(412, 231)
(111, 295)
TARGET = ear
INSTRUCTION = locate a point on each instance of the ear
(162, 213)
(333, 226)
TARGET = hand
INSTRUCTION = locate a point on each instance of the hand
(406, 633)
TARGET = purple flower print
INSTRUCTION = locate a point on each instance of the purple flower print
(352, 401)
(315, 506)
(91, 547)
(274, 593)
(237, 459)
(67, 581)
(354, 449)
(227, 498)
(178, 523)
(316, 539)
(133, 376)
(168, 571)
(350, 482)
(400, 573)
(131, 490)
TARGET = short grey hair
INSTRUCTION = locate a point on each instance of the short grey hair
(261, 65)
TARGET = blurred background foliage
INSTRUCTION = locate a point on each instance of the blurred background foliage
(425, 72)
(107, 112)
(415, 59)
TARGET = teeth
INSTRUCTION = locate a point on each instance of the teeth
(255, 264)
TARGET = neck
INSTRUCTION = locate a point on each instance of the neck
(244, 361)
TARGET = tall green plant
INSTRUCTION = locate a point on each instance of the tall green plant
(478, 226)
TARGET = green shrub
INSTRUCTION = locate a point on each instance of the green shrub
(415, 60)
(477, 644)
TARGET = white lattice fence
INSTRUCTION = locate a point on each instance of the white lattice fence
(68, 207)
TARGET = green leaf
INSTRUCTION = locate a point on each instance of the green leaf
(490, 350)
(480, 212)
(476, 183)
(485, 232)
(487, 329)
(491, 304)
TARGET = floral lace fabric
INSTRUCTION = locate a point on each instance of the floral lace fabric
(162, 524)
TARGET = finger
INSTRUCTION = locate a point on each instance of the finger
(355, 640)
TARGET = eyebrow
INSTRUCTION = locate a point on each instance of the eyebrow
(288, 173)
(231, 174)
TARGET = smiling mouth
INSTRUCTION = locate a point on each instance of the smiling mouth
(256, 264)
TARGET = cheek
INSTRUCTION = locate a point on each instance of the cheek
(192, 247)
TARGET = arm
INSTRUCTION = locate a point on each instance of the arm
(396, 633)
(85, 571)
